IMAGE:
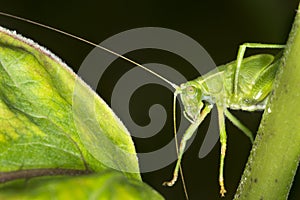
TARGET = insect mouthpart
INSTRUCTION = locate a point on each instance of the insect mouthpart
(190, 96)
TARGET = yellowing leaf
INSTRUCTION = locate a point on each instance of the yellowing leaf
(49, 118)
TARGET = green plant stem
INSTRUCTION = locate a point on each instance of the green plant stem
(275, 154)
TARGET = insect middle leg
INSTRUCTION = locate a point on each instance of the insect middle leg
(223, 141)
(241, 53)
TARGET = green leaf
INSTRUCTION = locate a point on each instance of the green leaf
(50, 119)
(107, 185)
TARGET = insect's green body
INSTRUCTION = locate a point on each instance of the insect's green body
(256, 78)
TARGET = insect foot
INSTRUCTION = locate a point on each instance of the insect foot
(222, 190)
(171, 182)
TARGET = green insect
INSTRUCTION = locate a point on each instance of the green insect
(244, 84)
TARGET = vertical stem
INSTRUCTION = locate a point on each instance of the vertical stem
(275, 154)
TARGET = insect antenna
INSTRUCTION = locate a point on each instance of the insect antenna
(176, 142)
(91, 43)
(176, 87)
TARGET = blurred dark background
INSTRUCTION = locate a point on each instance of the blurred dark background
(218, 27)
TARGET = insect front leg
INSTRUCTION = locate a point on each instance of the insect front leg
(223, 140)
(187, 135)
(241, 53)
(187, 117)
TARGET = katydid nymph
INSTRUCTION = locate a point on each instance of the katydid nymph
(244, 84)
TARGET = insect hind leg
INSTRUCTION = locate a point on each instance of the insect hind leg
(238, 124)
(241, 53)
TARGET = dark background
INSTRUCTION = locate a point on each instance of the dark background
(218, 27)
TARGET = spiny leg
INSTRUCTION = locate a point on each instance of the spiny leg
(187, 135)
(241, 53)
(223, 139)
(238, 124)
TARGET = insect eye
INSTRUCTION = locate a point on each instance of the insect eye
(191, 90)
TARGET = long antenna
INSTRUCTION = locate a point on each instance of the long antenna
(176, 143)
(93, 44)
